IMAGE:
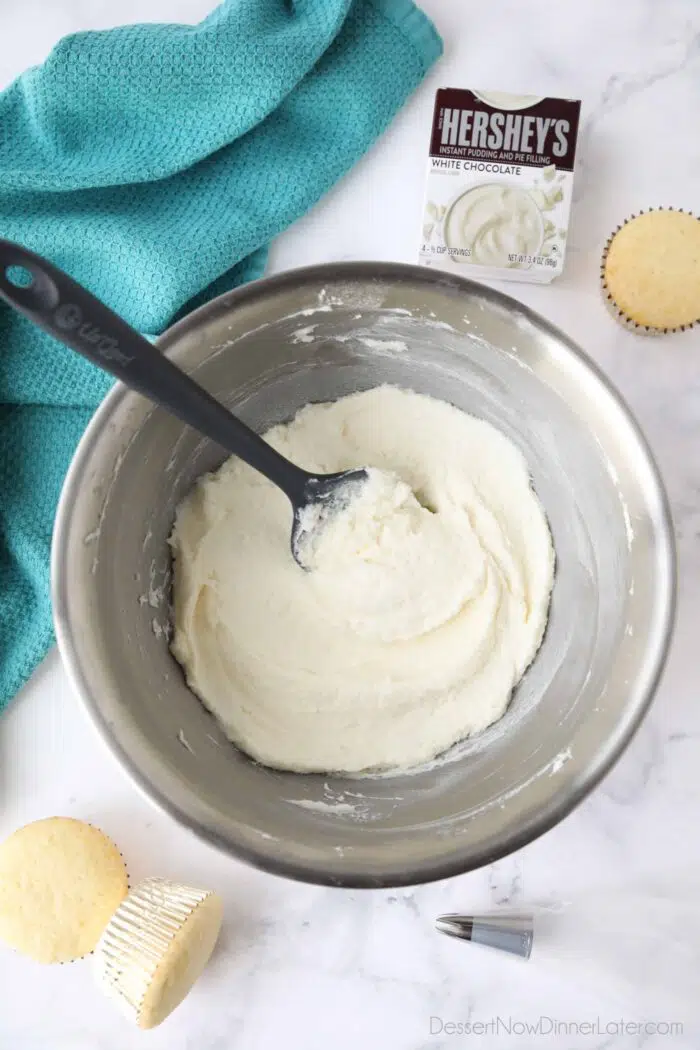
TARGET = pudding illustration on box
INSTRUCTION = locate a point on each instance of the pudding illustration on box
(500, 183)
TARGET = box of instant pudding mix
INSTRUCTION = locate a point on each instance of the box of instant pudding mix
(500, 183)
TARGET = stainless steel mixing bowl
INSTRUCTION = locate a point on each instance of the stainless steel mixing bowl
(315, 335)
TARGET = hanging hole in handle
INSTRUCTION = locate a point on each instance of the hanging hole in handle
(19, 276)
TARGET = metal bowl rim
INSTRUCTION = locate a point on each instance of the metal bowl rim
(471, 857)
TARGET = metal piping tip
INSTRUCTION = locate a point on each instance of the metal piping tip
(507, 933)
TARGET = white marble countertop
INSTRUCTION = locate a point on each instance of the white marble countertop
(305, 967)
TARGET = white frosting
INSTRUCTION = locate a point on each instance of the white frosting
(395, 569)
(419, 616)
(494, 222)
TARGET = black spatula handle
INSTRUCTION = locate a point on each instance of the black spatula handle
(67, 311)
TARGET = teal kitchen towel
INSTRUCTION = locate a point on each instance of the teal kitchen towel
(154, 163)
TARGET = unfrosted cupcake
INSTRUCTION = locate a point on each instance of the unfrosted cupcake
(60, 882)
(650, 271)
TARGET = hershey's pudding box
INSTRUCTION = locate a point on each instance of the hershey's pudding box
(500, 183)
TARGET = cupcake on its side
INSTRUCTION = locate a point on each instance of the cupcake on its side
(650, 272)
(156, 946)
